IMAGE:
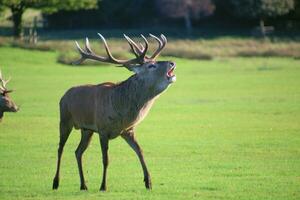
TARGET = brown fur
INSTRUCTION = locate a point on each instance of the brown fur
(112, 110)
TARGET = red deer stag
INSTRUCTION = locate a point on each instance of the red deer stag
(113, 109)
(6, 104)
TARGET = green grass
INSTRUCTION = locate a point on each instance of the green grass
(227, 129)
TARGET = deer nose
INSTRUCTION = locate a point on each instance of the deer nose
(172, 64)
(15, 108)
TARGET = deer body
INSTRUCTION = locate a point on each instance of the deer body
(113, 110)
(108, 108)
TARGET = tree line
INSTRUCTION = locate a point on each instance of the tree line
(130, 13)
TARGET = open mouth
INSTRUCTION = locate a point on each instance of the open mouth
(170, 75)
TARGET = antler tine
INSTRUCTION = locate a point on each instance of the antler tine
(161, 44)
(1, 88)
(164, 41)
(131, 42)
(89, 54)
(3, 82)
(139, 51)
(134, 50)
(110, 56)
(157, 39)
(164, 38)
(145, 49)
(142, 46)
(82, 53)
(85, 54)
(88, 46)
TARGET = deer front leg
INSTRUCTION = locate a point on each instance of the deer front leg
(130, 139)
(104, 148)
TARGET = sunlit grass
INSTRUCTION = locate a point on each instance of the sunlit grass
(227, 129)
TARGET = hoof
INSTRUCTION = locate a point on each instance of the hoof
(83, 187)
(148, 183)
(103, 188)
(55, 183)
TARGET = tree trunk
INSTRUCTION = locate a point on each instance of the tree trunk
(188, 23)
(262, 28)
(17, 12)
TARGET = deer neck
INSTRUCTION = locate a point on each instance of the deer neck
(135, 92)
(133, 99)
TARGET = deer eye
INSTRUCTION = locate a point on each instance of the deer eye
(152, 66)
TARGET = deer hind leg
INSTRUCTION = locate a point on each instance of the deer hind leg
(130, 139)
(65, 130)
(86, 136)
(104, 148)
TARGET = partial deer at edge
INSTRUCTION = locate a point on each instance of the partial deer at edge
(114, 109)
(6, 103)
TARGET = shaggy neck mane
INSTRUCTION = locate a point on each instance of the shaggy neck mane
(133, 94)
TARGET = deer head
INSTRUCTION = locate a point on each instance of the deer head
(158, 75)
(6, 104)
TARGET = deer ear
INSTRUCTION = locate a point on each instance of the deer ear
(134, 68)
(7, 91)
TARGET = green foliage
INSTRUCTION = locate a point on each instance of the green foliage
(26, 3)
(261, 8)
(227, 129)
(51, 5)
(18, 7)
(71, 5)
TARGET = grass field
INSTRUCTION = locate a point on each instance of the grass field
(227, 129)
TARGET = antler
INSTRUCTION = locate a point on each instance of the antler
(162, 41)
(161, 44)
(3, 83)
(139, 52)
